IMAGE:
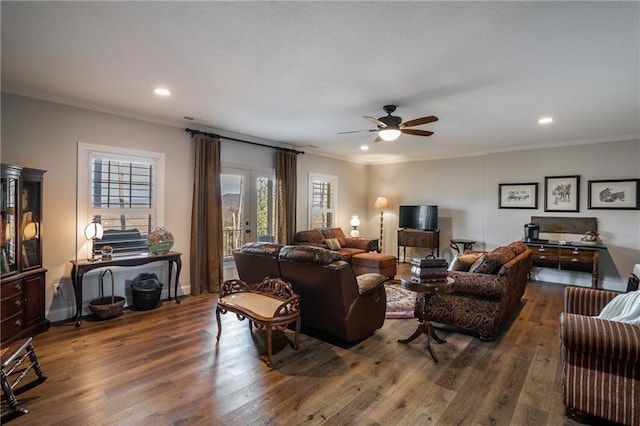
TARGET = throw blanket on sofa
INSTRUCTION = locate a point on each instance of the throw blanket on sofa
(623, 308)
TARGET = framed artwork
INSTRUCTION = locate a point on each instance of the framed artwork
(619, 194)
(518, 195)
(562, 193)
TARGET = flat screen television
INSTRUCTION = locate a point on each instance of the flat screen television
(418, 217)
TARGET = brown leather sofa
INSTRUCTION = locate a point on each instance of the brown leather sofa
(483, 298)
(348, 246)
(332, 299)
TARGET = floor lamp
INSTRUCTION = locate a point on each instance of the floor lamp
(381, 203)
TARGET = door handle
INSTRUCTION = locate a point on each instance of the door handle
(247, 231)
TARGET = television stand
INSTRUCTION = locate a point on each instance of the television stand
(418, 238)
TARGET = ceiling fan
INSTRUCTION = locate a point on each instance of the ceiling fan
(391, 126)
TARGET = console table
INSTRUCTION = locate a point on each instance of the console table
(80, 267)
(418, 238)
(571, 256)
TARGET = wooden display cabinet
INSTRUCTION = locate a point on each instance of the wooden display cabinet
(22, 290)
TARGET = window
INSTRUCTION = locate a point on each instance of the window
(322, 200)
(123, 193)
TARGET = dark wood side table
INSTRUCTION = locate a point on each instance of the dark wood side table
(80, 267)
(426, 290)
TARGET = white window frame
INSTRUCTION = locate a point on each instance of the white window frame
(83, 188)
(333, 181)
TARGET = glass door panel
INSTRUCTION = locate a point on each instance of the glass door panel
(248, 208)
(30, 232)
(8, 233)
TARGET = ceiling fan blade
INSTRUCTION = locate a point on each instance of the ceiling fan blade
(416, 132)
(358, 131)
(375, 121)
(378, 139)
(419, 121)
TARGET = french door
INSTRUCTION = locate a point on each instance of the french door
(248, 207)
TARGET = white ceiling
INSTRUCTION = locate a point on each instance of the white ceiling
(300, 72)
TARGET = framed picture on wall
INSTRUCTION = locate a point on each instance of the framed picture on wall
(619, 194)
(518, 195)
(562, 193)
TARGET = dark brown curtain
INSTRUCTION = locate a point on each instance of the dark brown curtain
(286, 178)
(206, 222)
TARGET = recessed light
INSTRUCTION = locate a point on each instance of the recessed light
(162, 92)
(364, 147)
(545, 120)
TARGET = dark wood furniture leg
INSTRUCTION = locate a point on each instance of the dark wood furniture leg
(424, 325)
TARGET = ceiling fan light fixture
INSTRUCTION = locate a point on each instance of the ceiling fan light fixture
(389, 134)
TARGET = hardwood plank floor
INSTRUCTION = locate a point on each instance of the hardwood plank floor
(162, 367)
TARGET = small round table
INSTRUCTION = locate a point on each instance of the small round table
(466, 245)
(426, 290)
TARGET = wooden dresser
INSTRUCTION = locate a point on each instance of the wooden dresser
(571, 255)
(418, 238)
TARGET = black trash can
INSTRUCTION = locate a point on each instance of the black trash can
(146, 291)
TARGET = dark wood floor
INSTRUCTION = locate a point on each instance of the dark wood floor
(163, 367)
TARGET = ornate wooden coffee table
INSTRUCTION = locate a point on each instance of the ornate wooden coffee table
(425, 291)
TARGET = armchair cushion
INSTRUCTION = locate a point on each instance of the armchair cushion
(335, 233)
(464, 261)
(369, 282)
(490, 263)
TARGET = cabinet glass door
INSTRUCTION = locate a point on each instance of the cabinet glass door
(8, 210)
(30, 205)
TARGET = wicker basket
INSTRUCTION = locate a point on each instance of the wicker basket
(107, 307)
(146, 292)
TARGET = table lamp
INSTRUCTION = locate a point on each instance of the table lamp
(355, 222)
(93, 232)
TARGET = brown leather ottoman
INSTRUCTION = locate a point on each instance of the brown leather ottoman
(364, 263)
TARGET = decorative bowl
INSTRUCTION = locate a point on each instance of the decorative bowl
(160, 241)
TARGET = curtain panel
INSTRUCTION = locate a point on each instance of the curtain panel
(206, 259)
(286, 178)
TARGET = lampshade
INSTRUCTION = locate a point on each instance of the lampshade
(389, 134)
(31, 230)
(381, 203)
(93, 231)
(355, 221)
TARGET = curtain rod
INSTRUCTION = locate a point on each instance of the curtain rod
(198, 132)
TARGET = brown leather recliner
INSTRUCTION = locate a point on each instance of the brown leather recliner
(332, 299)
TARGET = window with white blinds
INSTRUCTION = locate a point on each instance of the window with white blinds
(322, 200)
(123, 196)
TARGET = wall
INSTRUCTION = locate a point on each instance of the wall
(352, 197)
(466, 192)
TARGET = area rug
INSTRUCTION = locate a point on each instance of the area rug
(400, 302)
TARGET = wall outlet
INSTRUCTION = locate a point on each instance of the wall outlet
(57, 290)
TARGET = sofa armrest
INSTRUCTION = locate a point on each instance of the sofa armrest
(367, 244)
(586, 301)
(611, 339)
